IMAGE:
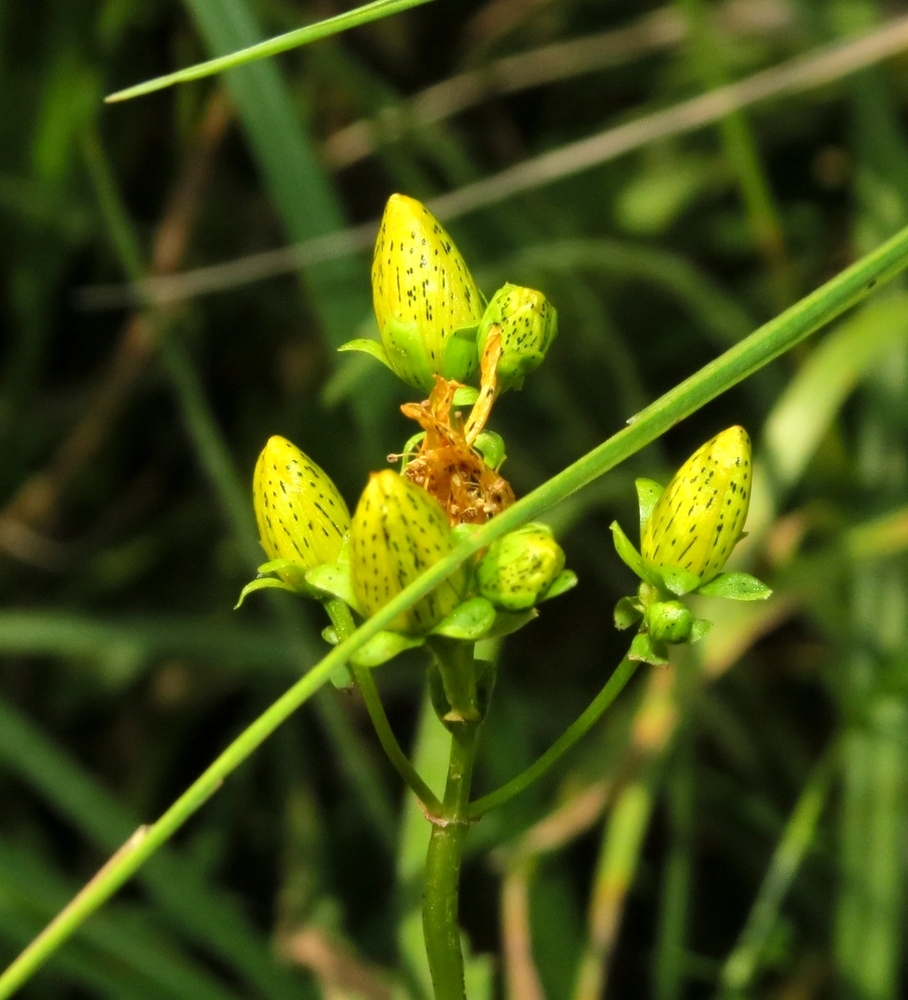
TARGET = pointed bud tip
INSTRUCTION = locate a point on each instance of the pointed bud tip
(301, 516)
(700, 517)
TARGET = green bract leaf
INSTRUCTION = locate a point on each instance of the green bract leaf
(507, 622)
(334, 579)
(565, 581)
(366, 346)
(648, 493)
(737, 587)
(678, 580)
(383, 647)
(628, 611)
(466, 395)
(646, 651)
(264, 583)
(491, 446)
(625, 549)
(699, 629)
(470, 620)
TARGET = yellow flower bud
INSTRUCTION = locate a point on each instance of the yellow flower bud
(398, 532)
(422, 291)
(301, 516)
(700, 516)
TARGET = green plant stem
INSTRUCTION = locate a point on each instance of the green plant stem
(579, 728)
(344, 626)
(442, 872)
(769, 342)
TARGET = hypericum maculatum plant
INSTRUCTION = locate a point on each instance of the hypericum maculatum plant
(687, 532)
(435, 333)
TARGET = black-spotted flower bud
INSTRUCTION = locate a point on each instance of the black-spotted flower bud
(398, 532)
(700, 516)
(518, 569)
(528, 324)
(423, 293)
(687, 533)
(302, 518)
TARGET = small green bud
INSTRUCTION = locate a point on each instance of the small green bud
(528, 324)
(302, 518)
(398, 532)
(668, 621)
(423, 292)
(516, 570)
(700, 517)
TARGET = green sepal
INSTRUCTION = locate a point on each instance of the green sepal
(465, 395)
(367, 346)
(383, 647)
(646, 651)
(736, 586)
(507, 622)
(628, 611)
(334, 579)
(565, 581)
(470, 620)
(699, 629)
(648, 493)
(677, 580)
(626, 551)
(460, 356)
(491, 446)
(263, 583)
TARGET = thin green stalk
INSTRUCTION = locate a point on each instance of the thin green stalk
(343, 623)
(368, 689)
(271, 47)
(579, 728)
(761, 347)
(442, 871)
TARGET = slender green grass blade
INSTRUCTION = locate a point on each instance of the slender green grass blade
(273, 46)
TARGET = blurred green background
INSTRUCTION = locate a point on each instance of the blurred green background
(733, 828)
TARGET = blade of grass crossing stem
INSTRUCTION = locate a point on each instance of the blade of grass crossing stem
(272, 46)
(176, 886)
(769, 342)
(671, 933)
(798, 837)
(619, 856)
